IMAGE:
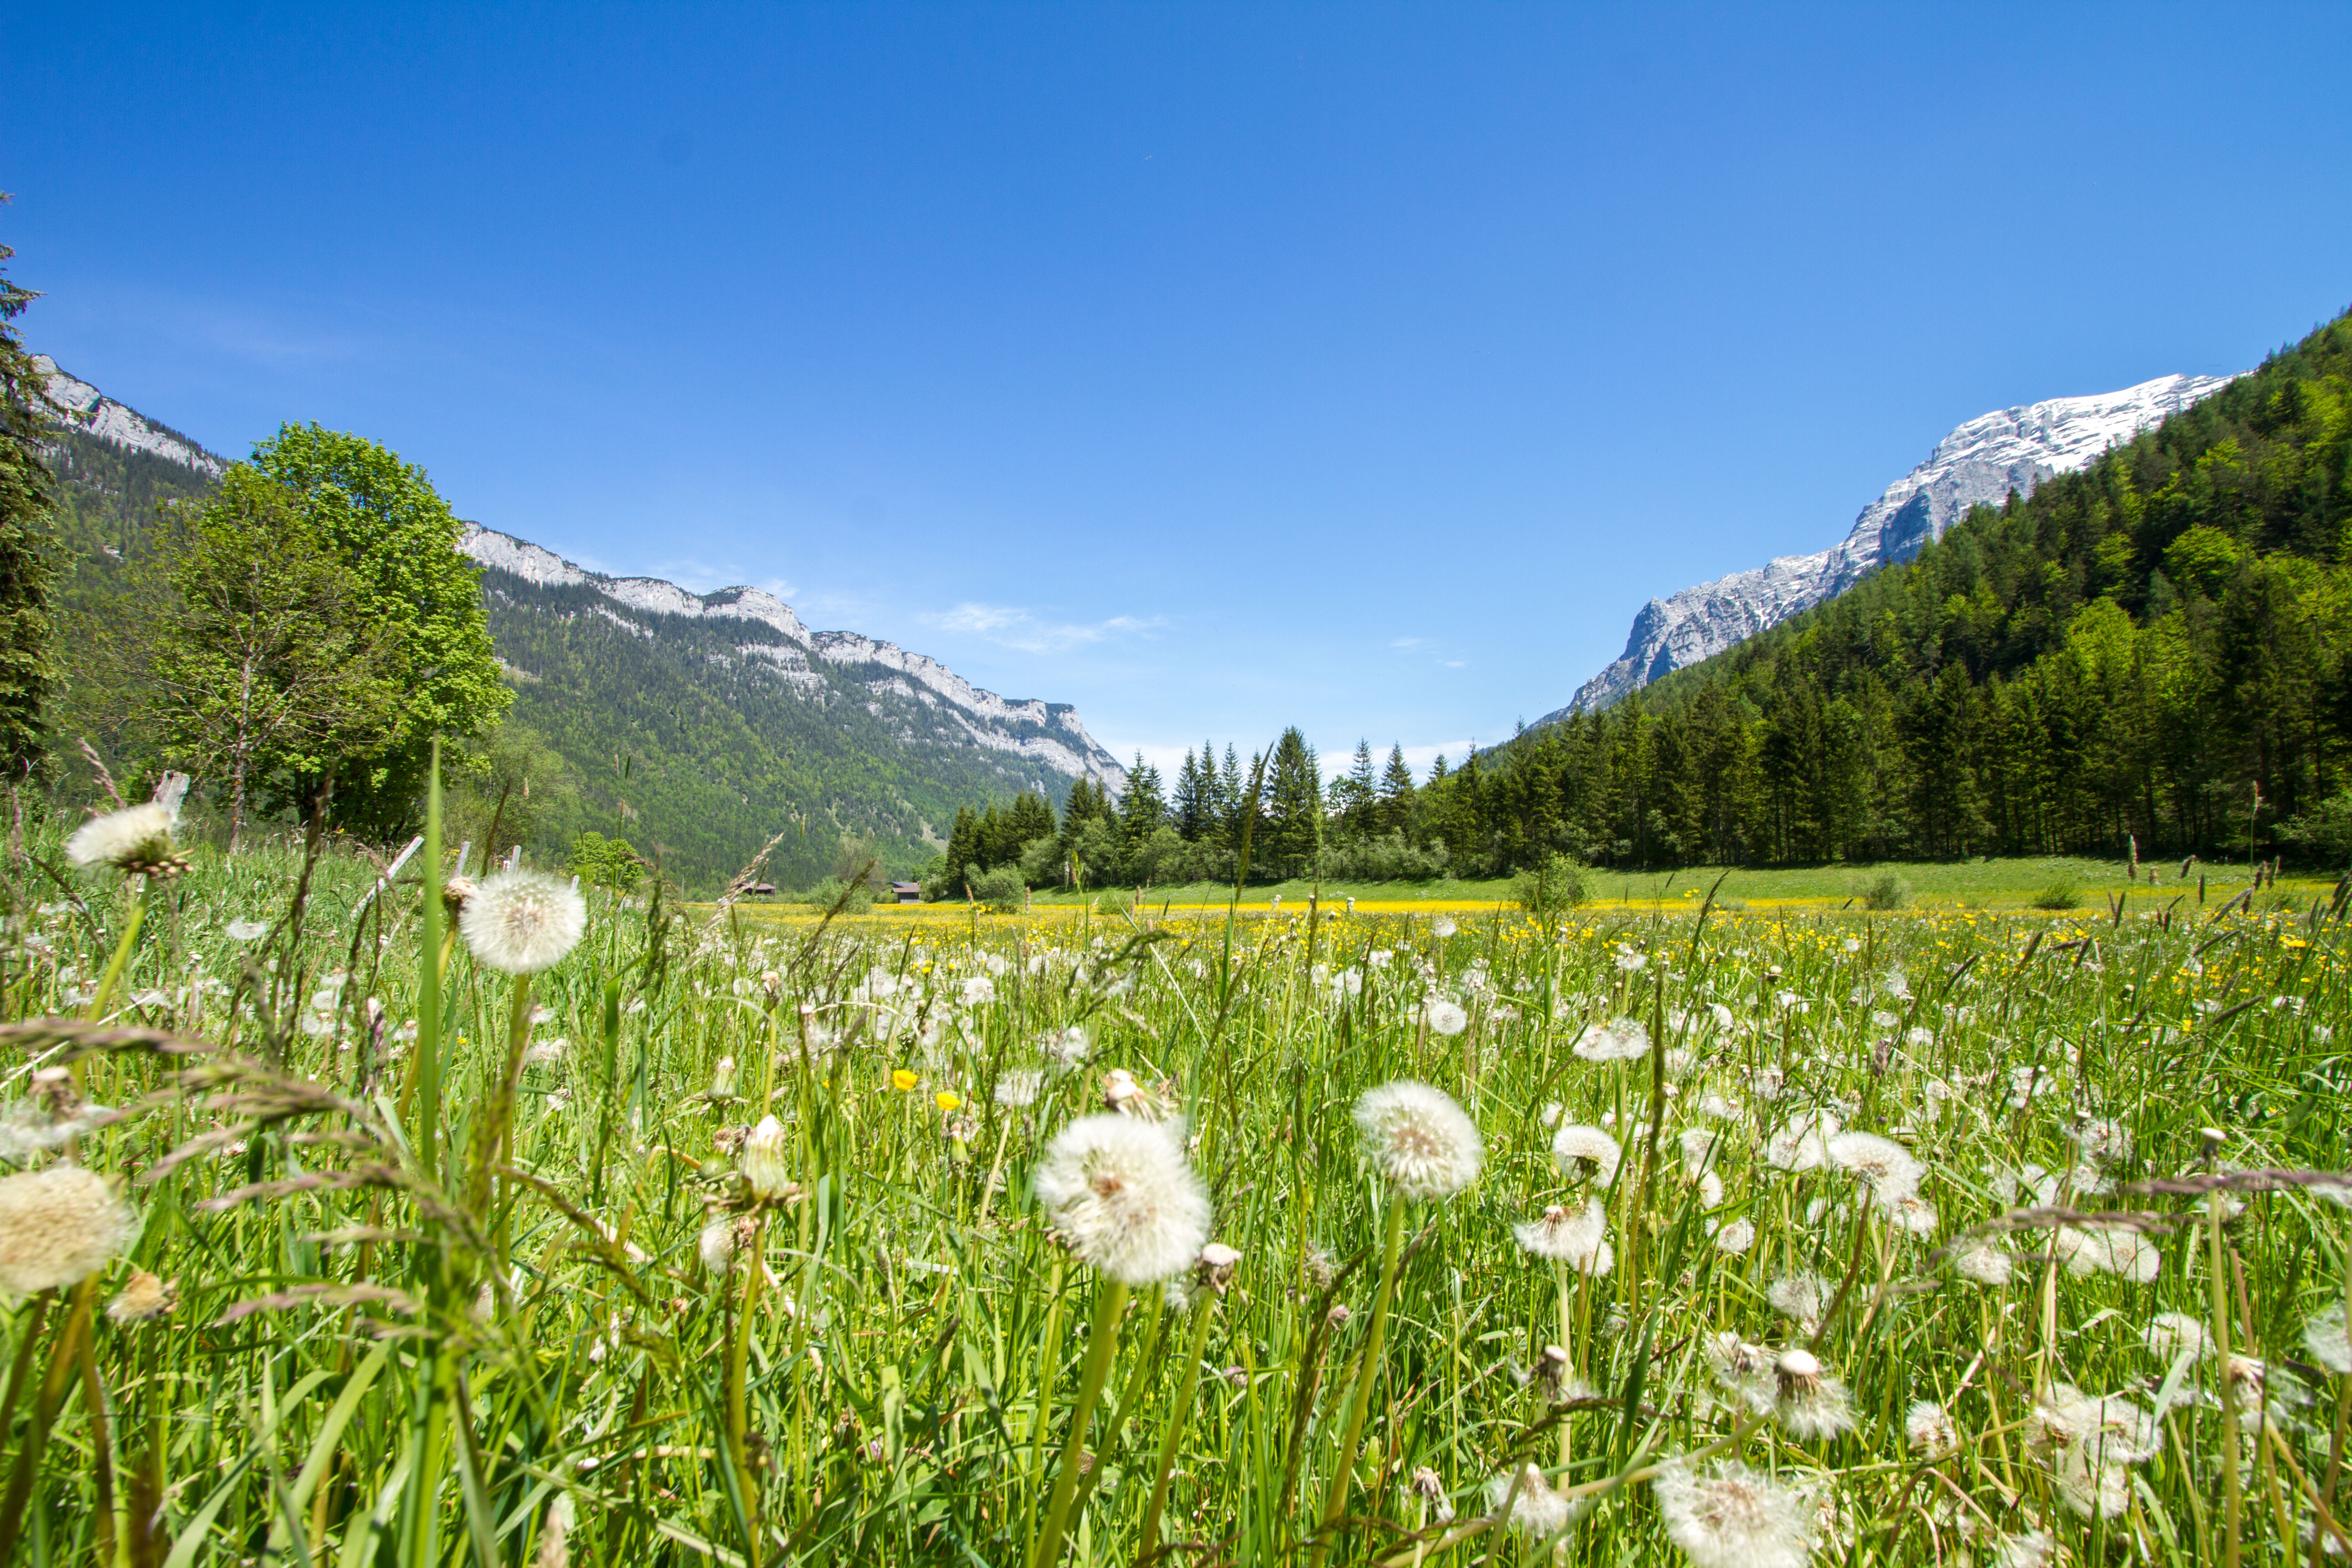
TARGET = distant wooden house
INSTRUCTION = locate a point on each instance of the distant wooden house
(907, 892)
(761, 889)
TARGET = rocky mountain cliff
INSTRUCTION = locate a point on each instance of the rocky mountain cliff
(1981, 461)
(921, 700)
(734, 717)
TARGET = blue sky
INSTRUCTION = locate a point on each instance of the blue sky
(1213, 368)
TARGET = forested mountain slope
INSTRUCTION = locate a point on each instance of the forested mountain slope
(696, 725)
(2156, 648)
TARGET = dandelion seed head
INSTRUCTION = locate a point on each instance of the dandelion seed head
(977, 990)
(1586, 1153)
(1123, 1197)
(1443, 926)
(1802, 1298)
(1421, 1143)
(1929, 1430)
(716, 1245)
(1808, 1401)
(1619, 1041)
(1577, 1237)
(1734, 1239)
(137, 839)
(520, 922)
(2324, 1336)
(1732, 1516)
(143, 1299)
(1020, 1087)
(1700, 1147)
(1890, 1171)
(1743, 1371)
(1446, 1017)
(2169, 1335)
(58, 1227)
(1536, 1511)
(1985, 1264)
(2027, 1548)
(1802, 1143)
(244, 929)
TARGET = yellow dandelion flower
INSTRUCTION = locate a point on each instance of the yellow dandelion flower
(900, 1079)
(947, 1101)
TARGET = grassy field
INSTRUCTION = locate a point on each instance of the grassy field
(1792, 1234)
(1982, 884)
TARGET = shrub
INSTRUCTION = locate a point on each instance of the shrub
(827, 893)
(1886, 891)
(1557, 884)
(1002, 890)
(2059, 895)
(605, 862)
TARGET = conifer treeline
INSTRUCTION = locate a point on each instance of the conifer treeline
(2155, 649)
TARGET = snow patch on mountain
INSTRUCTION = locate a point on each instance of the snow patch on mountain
(87, 409)
(1980, 462)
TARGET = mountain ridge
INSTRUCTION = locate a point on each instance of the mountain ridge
(1980, 460)
(740, 717)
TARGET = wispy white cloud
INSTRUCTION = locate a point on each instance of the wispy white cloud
(1010, 626)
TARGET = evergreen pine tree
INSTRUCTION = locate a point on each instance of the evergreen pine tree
(1396, 793)
(1231, 806)
(1354, 792)
(1030, 818)
(29, 667)
(1294, 828)
(1142, 809)
(1195, 805)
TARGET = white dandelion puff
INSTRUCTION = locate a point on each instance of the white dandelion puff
(1536, 1511)
(1929, 1431)
(1734, 1239)
(1888, 1169)
(1743, 1371)
(978, 990)
(1984, 1263)
(135, 838)
(1586, 1153)
(716, 1245)
(2324, 1336)
(1123, 1198)
(1422, 1144)
(1733, 1517)
(1802, 1298)
(58, 1227)
(1443, 926)
(1810, 1402)
(1802, 1143)
(1446, 1017)
(244, 929)
(520, 922)
(1619, 1041)
(1577, 1237)
(2170, 1336)
(1020, 1087)
(1700, 1147)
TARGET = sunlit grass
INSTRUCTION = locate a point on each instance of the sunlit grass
(874, 1358)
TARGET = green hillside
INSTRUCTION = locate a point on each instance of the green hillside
(2157, 649)
(720, 750)
(657, 728)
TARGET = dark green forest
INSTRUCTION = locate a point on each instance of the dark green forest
(2153, 653)
(2157, 649)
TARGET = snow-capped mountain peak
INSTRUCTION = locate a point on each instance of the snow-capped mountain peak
(1981, 461)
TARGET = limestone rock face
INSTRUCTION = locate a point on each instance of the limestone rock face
(1981, 461)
